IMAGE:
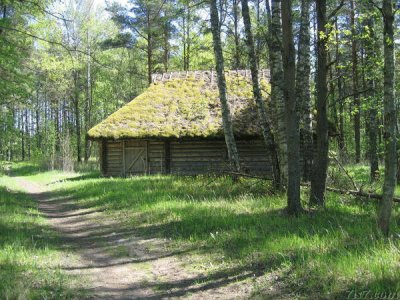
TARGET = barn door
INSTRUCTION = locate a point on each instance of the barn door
(135, 158)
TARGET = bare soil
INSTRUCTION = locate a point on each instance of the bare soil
(113, 263)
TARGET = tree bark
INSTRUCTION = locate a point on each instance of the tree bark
(357, 106)
(303, 88)
(389, 136)
(88, 106)
(320, 165)
(292, 118)
(370, 53)
(77, 117)
(149, 50)
(236, 56)
(261, 109)
(226, 114)
(278, 104)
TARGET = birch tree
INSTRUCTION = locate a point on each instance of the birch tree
(263, 116)
(233, 153)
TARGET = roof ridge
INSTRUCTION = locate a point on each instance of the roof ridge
(208, 75)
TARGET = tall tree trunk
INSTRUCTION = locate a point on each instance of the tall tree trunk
(341, 140)
(166, 47)
(357, 106)
(261, 109)
(320, 166)
(226, 115)
(292, 118)
(303, 88)
(77, 117)
(27, 134)
(370, 53)
(149, 50)
(236, 56)
(22, 129)
(88, 105)
(390, 138)
(278, 104)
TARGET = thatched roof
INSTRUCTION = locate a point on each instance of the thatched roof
(186, 105)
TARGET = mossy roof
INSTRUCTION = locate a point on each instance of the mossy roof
(184, 108)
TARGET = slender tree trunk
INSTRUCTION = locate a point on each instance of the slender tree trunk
(292, 118)
(22, 128)
(370, 53)
(303, 88)
(357, 106)
(261, 109)
(341, 140)
(166, 47)
(149, 50)
(226, 115)
(320, 166)
(77, 117)
(88, 106)
(236, 56)
(389, 136)
(278, 104)
(27, 134)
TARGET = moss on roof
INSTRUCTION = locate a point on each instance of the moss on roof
(184, 108)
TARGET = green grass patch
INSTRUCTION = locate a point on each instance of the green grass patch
(231, 229)
(29, 250)
(236, 227)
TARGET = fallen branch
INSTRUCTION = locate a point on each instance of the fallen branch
(245, 175)
(347, 173)
(359, 193)
(355, 193)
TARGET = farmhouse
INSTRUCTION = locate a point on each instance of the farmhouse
(175, 126)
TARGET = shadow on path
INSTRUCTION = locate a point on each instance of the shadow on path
(118, 264)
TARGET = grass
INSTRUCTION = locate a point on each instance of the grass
(29, 248)
(230, 229)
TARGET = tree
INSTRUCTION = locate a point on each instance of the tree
(292, 118)
(233, 153)
(320, 164)
(390, 121)
(148, 26)
(356, 94)
(370, 67)
(303, 88)
(276, 68)
(261, 109)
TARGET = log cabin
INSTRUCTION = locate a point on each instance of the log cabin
(175, 127)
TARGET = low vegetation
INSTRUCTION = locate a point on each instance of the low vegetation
(233, 228)
(30, 251)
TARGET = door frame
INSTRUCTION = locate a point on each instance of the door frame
(145, 154)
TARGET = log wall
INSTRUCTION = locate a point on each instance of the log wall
(188, 157)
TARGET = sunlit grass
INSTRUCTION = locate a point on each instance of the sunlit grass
(331, 251)
(226, 226)
(29, 254)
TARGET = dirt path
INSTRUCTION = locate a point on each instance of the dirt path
(120, 265)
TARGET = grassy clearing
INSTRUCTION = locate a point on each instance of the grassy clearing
(234, 228)
(29, 249)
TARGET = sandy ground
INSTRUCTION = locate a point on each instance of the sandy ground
(119, 265)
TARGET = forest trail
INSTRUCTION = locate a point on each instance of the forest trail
(119, 265)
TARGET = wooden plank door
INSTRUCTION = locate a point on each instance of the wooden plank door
(135, 159)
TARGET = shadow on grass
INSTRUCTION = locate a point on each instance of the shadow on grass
(237, 222)
(25, 242)
(24, 169)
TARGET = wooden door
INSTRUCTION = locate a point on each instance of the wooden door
(135, 159)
